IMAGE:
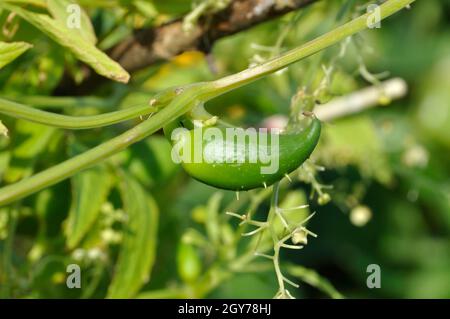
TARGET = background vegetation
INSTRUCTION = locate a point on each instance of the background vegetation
(140, 227)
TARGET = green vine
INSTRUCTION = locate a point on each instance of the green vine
(185, 98)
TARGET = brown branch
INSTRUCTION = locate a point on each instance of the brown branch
(149, 46)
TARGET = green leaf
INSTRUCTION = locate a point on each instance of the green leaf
(4, 162)
(61, 11)
(341, 146)
(137, 253)
(72, 40)
(150, 161)
(293, 217)
(172, 7)
(29, 141)
(89, 191)
(312, 278)
(146, 9)
(212, 218)
(10, 51)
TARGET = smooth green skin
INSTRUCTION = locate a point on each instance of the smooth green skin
(294, 149)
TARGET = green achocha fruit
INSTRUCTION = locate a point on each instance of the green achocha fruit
(234, 159)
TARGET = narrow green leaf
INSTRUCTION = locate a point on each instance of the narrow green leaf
(312, 278)
(29, 141)
(137, 252)
(212, 219)
(150, 161)
(89, 191)
(72, 40)
(64, 10)
(4, 162)
(10, 51)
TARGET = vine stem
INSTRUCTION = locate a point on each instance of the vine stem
(276, 249)
(71, 166)
(188, 96)
(25, 112)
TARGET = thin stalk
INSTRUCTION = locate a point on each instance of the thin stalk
(25, 112)
(64, 102)
(187, 98)
(276, 247)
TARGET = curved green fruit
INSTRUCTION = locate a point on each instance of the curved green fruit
(242, 163)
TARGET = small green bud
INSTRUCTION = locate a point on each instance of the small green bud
(324, 199)
(189, 265)
(300, 237)
(199, 214)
